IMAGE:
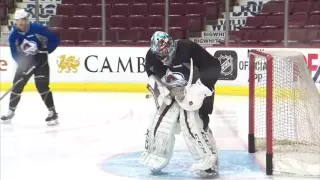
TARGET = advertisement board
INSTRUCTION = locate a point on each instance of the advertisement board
(122, 68)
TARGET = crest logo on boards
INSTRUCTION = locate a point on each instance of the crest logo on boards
(229, 64)
(68, 64)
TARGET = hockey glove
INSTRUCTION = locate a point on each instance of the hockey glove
(194, 96)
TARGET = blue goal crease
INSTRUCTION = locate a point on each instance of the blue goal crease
(232, 163)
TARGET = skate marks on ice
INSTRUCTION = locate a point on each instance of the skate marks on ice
(76, 111)
(233, 164)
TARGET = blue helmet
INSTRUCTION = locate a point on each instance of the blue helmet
(163, 45)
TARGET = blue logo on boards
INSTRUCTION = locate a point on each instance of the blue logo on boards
(232, 163)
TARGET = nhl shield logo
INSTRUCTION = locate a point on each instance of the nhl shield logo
(229, 64)
(226, 64)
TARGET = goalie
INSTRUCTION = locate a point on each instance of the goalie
(182, 76)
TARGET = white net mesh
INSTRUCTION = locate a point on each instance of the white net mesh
(295, 114)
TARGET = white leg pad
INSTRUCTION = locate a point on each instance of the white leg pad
(201, 144)
(160, 139)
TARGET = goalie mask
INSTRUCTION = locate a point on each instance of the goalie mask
(163, 46)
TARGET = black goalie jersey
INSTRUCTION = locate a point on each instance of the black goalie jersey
(205, 66)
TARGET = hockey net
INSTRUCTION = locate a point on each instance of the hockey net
(284, 113)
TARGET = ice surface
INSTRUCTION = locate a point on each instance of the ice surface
(100, 133)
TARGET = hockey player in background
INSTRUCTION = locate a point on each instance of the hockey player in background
(30, 44)
(182, 76)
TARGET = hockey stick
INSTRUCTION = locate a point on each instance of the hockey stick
(191, 75)
(190, 80)
(16, 83)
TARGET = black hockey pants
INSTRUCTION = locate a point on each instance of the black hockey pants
(207, 106)
(42, 77)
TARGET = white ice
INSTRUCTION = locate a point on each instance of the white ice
(94, 127)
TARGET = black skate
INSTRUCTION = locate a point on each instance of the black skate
(52, 118)
(7, 118)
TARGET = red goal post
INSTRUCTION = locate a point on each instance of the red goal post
(284, 113)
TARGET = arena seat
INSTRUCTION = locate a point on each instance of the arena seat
(254, 22)
(3, 12)
(8, 3)
(177, 9)
(65, 9)
(111, 36)
(316, 8)
(157, 9)
(97, 10)
(194, 23)
(273, 37)
(83, 10)
(144, 36)
(70, 36)
(211, 10)
(179, 1)
(312, 34)
(298, 20)
(156, 22)
(93, 2)
(178, 22)
(253, 36)
(120, 9)
(56, 30)
(235, 37)
(303, 7)
(141, 1)
(89, 36)
(122, 2)
(127, 36)
(96, 22)
(177, 33)
(80, 22)
(297, 36)
(118, 22)
(273, 8)
(138, 22)
(272, 22)
(59, 21)
(69, 1)
(195, 9)
(139, 9)
(107, 1)
(314, 21)
(194, 1)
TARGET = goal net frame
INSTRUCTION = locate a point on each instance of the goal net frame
(269, 107)
(267, 133)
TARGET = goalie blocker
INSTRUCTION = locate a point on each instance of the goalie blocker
(182, 107)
